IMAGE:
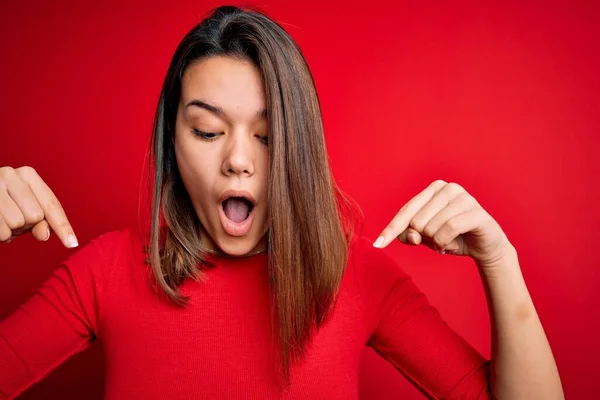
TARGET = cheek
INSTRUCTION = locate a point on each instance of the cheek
(196, 168)
(264, 166)
(263, 185)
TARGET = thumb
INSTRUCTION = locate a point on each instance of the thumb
(410, 236)
(41, 231)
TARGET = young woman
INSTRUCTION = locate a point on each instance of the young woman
(251, 282)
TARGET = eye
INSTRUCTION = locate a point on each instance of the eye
(205, 135)
(264, 139)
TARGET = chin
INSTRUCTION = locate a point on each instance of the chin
(236, 247)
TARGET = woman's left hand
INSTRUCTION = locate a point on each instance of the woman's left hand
(446, 218)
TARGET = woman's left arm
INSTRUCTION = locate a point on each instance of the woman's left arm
(447, 219)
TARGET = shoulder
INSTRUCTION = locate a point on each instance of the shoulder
(379, 277)
(106, 253)
(108, 246)
(373, 265)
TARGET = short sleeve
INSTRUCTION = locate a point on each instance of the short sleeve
(61, 319)
(409, 332)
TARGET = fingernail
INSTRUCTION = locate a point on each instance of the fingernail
(47, 234)
(442, 251)
(378, 242)
(413, 237)
(72, 241)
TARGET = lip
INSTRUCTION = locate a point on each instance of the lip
(236, 228)
(237, 193)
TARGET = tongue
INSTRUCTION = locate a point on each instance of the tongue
(236, 209)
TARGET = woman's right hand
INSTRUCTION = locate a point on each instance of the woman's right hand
(28, 204)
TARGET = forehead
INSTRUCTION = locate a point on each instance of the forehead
(231, 84)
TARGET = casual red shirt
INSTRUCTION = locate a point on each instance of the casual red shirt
(221, 344)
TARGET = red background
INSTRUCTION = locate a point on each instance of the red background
(499, 98)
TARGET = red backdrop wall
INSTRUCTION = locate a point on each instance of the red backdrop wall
(500, 98)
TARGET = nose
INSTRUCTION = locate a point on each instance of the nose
(238, 159)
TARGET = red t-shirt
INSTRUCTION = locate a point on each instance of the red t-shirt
(221, 344)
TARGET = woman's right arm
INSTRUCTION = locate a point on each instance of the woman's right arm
(61, 318)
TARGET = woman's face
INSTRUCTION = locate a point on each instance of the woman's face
(221, 145)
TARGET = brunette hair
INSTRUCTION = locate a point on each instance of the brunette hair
(308, 235)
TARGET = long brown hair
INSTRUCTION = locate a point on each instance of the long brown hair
(308, 233)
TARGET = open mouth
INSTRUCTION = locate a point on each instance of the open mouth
(237, 209)
(236, 212)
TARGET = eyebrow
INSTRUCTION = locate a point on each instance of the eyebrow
(218, 110)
